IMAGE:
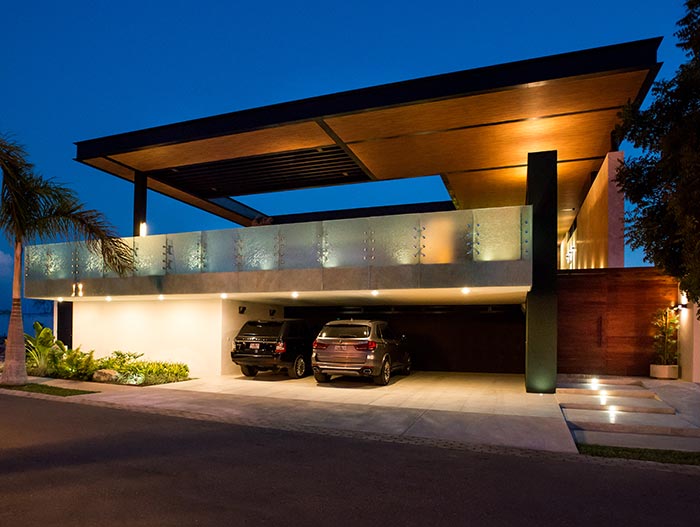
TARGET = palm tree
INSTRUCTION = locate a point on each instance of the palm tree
(36, 208)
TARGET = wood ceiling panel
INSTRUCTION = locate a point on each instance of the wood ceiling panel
(491, 188)
(269, 140)
(574, 137)
(110, 167)
(524, 102)
(506, 187)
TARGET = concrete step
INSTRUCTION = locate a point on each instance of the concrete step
(614, 403)
(618, 408)
(629, 391)
(629, 422)
(637, 440)
(599, 380)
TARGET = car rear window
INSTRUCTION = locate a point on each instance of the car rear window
(347, 331)
(261, 328)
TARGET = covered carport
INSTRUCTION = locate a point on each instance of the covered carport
(530, 134)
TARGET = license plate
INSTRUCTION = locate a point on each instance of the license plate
(341, 347)
(254, 345)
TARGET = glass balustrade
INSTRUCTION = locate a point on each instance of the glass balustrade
(453, 237)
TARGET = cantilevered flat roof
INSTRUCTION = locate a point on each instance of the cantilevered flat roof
(474, 128)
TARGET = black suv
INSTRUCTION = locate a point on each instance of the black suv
(273, 345)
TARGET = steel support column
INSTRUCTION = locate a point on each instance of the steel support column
(140, 200)
(541, 308)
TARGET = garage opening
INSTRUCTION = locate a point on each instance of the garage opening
(479, 339)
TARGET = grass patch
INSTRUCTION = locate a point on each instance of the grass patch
(46, 389)
(677, 457)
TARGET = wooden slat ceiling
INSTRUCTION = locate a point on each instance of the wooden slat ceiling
(478, 141)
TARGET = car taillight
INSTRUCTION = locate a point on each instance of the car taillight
(319, 345)
(281, 347)
(368, 345)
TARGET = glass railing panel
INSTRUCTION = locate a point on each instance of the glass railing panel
(258, 248)
(300, 245)
(51, 261)
(497, 234)
(149, 253)
(395, 240)
(89, 264)
(35, 262)
(446, 237)
(220, 251)
(345, 243)
(185, 253)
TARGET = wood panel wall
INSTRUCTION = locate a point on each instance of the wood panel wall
(605, 319)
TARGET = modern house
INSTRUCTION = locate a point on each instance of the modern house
(525, 150)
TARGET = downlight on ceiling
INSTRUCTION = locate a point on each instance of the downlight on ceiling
(466, 290)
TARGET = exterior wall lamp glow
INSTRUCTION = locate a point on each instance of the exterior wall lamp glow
(143, 229)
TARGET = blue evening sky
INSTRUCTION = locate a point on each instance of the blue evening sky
(78, 70)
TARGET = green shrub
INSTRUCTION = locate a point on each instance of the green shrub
(72, 364)
(118, 360)
(141, 372)
(39, 350)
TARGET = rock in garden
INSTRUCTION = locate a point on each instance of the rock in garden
(105, 376)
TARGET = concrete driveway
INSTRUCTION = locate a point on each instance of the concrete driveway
(471, 409)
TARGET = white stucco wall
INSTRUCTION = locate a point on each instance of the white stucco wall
(197, 332)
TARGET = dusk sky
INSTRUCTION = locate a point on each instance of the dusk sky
(79, 70)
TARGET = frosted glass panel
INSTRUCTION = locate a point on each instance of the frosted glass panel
(185, 253)
(446, 237)
(258, 248)
(56, 261)
(396, 240)
(35, 262)
(90, 264)
(497, 234)
(435, 238)
(150, 255)
(345, 243)
(300, 245)
(220, 251)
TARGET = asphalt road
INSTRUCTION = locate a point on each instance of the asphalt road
(81, 465)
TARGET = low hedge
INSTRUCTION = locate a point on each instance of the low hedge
(143, 372)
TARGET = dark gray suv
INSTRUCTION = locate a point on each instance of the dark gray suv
(367, 348)
(273, 345)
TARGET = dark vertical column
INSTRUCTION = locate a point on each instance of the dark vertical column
(64, 323)
(140, 189)
(541, 312)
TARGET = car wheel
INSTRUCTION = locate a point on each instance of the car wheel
(298, 369)
(408, 366)
(322, 377)
(249, 371)
(384, 374)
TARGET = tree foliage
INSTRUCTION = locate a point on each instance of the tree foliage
(663, 183)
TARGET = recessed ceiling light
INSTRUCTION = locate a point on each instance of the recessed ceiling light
(59, 299)
(295, 294)
(108, 298)
(375, 292)
(224, 296)
(161, 297)
(466, 290)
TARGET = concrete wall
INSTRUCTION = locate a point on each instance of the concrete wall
(599, 235)
(198, 332)
(689, 344)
